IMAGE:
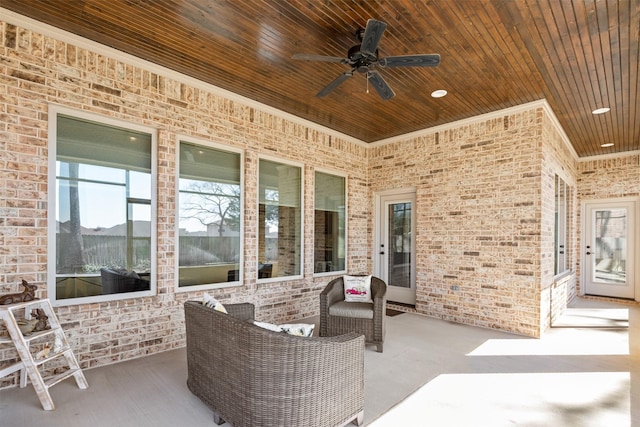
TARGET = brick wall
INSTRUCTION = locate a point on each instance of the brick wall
(36, 71)
(485, 215)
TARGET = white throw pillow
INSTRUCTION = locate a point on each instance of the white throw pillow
(357, 288)
(299, 329)
(269, 326)
(209, 301)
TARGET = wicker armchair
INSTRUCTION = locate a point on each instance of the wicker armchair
(253, 377)
(338, 316)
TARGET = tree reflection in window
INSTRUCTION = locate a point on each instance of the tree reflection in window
(209, 215)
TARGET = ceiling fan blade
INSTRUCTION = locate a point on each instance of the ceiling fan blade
(427, 60)
(334, 84)
(371, 38)
(380, 85)
(311, 57)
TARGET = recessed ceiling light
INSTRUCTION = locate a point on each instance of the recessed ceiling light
(438, 93)
(601, 110)
(607, 144)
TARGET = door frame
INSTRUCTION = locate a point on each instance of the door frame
(586, 225)
(400, 193)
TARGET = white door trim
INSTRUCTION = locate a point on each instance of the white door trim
(634, 277)
(408, 193)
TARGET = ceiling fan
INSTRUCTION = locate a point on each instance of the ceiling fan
(363, 58)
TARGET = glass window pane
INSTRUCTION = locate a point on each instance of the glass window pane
(103, 236)
(330, 214)
(399, 252)
(98, 144)
(561, 230)
(85, 199)
(611, 246)
(138, 185)
(279, 220)
(209, 215)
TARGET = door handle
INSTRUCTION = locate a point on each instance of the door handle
(381, 253)
(588, 253)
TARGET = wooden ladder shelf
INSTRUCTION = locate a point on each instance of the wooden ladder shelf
(53, 344)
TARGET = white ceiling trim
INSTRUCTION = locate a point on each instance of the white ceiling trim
(541, 103)
(547, 108)
(610, 156)
(461, 123)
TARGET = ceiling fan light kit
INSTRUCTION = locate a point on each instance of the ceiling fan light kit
(363, 58)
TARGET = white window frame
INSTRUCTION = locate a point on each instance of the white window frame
(54, 111)
(302, 224)
(222, 147)
(346, 220)
(561, 258)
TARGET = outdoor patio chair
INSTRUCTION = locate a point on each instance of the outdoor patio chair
(338, 316)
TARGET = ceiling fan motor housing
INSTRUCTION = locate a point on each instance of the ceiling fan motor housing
(359, 61)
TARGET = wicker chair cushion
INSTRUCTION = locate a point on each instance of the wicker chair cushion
(360, 310)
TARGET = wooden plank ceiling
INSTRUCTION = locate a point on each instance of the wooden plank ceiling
(579, 55)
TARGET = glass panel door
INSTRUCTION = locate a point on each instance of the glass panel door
(609, 249)
(397, 247)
